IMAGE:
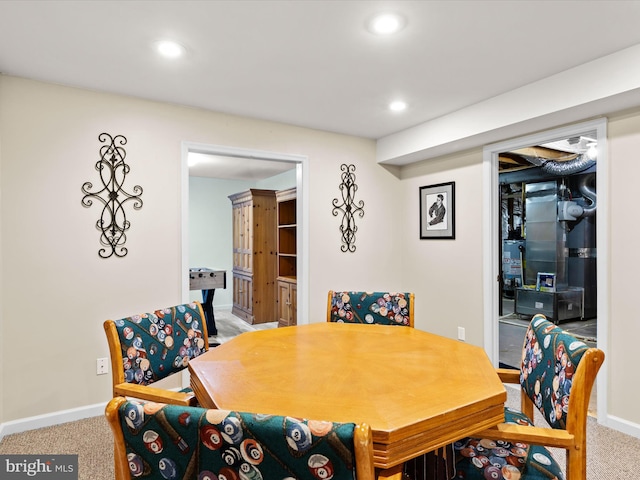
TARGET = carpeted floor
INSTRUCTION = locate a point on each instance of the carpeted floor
(611, 455)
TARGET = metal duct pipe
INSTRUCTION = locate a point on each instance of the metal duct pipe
(589, 193)
(559, 169)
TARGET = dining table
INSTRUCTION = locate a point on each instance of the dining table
(418, 391)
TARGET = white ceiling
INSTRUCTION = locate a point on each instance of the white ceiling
(234, 168)
(311, 63)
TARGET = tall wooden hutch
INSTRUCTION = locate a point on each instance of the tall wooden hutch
(254, 255)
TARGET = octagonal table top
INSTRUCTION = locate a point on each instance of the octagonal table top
(418, 391)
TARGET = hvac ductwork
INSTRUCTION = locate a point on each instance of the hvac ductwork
(589, 193)
(569, 210)
(561, 169)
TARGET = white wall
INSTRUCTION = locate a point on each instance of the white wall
(446, 275)
(282, 181)
(624, 327)
(211, 230)
(57, 291)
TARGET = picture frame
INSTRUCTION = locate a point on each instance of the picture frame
(437, 211)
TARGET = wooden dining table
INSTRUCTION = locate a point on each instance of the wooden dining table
(418, 391)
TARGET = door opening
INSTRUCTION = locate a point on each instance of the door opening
(548, 205)
(547, 244)
(239, 155)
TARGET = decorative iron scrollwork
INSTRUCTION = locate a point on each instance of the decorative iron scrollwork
(348, 208)
(113, 223)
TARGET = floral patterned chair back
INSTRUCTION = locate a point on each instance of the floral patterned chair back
(383, 308)
(166, 442)
(556, 377)
(151, 346)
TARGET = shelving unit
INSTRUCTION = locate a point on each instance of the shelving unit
(287, 257)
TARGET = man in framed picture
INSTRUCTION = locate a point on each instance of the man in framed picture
(437, 210)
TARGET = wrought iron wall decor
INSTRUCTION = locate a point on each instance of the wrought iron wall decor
(113, 223)
(348, 208)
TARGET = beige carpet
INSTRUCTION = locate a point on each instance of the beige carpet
(611, 455)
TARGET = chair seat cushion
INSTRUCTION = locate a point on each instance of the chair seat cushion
(482, 459)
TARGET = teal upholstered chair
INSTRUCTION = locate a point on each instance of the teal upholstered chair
(151, 346)
(556, 376)
(385, 308)
(165, 442)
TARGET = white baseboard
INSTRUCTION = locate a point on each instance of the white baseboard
(63, 416)
(49, 419)
(622, 425)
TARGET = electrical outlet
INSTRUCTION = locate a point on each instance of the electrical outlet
(461, 333)
(102, 366)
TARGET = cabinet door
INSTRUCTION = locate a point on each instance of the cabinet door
(283, 304)
(243, 297)
(237, 235)
(287, 303)
(242, 237)
(246, 260)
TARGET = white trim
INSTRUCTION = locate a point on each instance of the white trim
(622, 425)
(602, 265)
(490, 241)
(50, 419)
(302, 185)
(302, 219)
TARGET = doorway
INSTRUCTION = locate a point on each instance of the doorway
(548, 204)
(297, 162)
(514, 256)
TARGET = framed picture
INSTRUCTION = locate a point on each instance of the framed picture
(438, 211)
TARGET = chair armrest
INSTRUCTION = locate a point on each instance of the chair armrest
(508, 375)
(152, 394)
(120, 450)
(363, 446)
(522, 433)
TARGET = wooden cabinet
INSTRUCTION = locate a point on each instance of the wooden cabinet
(287, 257)
(254, 255)
(287, 303)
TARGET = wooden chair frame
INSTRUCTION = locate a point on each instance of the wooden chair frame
(411, 307)
(573, 439)
(145, 392)
(362, 438)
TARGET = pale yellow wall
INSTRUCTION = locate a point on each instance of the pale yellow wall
(57, 291)
(624, 326)
(1, 266)
(446, 275)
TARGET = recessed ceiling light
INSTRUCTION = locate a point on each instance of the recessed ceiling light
(397, 106)
(170, 49)
(386, 23)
